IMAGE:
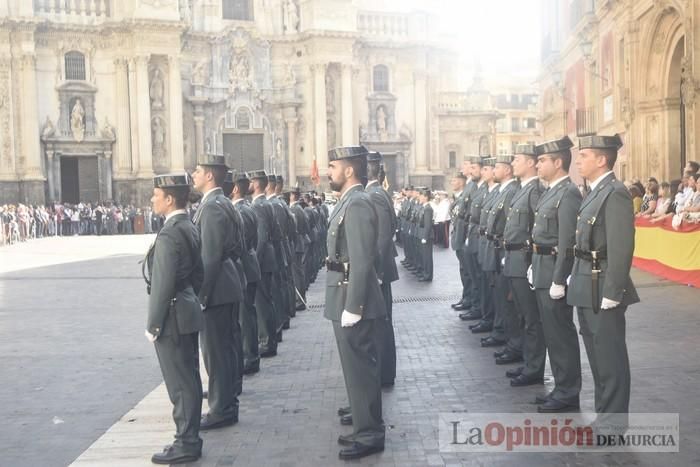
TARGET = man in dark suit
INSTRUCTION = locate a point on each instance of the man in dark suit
(354, 301)
(516, 245)
(175, 314)
(601, 288)
(264, 303)
(222, 245)
(553, 238)
(248, 314)
(386, 263)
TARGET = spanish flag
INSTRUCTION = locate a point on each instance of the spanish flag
(315, 178)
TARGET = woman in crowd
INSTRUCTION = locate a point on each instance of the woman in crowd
(649, 201)
(636, 198)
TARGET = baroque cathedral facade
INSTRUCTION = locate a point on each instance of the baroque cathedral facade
(97, 96)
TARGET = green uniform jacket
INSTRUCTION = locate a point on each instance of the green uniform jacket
(386, 265)
(221, 232)
(352, 239)
(605, 223)
(477, 204)
(426, 223)
(459, 216)
(496, 222)
(266, 225)
(521, 216)
(249, 259)
(555, 226)
(484, 244)
(175, 267)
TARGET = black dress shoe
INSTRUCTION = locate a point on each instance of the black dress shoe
(346, 420)
(475, 325)
(482, 328)
(457, 304)
(461, 307)
(249, 370)
(542, 399)
(508, 358)
(498, 353)
(210, 422)
(523, 380)
(425, 279)
(279, 336)
(491, 342)
(387, 384)
(469, 316)
(300, 307)
(285, 325)
(555, 406)
(173, 455)
(515, 372)
(345, 440)
(268, 353)
(358, 451)
(344, 411)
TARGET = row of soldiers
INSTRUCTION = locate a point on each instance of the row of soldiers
(529, 254)
(415, 232)
(233, 276)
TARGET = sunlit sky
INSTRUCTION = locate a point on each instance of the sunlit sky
(504, 35)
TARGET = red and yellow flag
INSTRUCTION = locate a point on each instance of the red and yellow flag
(315, 178)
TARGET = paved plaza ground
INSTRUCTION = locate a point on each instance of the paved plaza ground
(81, 385)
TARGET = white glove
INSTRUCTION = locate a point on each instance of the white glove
(151, 338)
(568, 280)
(557, 292)
(530, 277)
(503, 261)
(466, 242)
(203, 307)
(348, 319)
(608, 304)
(424, 241)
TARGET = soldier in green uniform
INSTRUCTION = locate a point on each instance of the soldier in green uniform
(425, 229)
(264, 302)
(289, 234)
(518, 257)
(280, 275)
(486, 257)
(459, 221)
(386, 263)
(553, 236)
(471, 250)
(248, 318)
(175, 314)
(601, 288)
(354, 301)
(222, 245)
(301, 247)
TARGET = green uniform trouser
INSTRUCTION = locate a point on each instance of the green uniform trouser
(179, 364)
(604, 337)
(219, 352)
(388, 339)
(426, 253)
(358, 350)
(531, 335)
(562, 343)
(265, 308)
(248, 320)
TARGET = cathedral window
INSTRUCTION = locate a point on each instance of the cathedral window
(240, 10)
(381, 78)
(75, 66)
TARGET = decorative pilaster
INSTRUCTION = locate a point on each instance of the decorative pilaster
(144, 118)
(346, 96)
(134, 118)
(177, 157)
(292, 149)
(30, 121)
(419, 89)
(320, 116)
(123, 144)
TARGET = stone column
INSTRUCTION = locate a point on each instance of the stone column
(31, 147)
(347, 117)
(419, 85)
(198, 132)
(123, 130)
(308, 113)
(320, 117)
(133, 118)
(144, 118)
(177, 156)
(292, 149)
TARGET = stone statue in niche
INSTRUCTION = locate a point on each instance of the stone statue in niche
(279, 147)
(207, 146)
(157, 90)
(291, 17)
(362, 130)
(290, 78)
(48, 130)
(158, 135)
(77, 121)
(200, 73)
(330, 132)
(330, 94)
(239, 73)
(108, 131)
(381, 123)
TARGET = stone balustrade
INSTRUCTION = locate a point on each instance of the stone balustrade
(74, 11)
(453, 102)
(394, 25)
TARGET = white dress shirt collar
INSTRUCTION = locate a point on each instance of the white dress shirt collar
(348, 190)
(175, 213)
(557, 181)
(524, 182)
(207, 194)
(597, 181)
(505, 184)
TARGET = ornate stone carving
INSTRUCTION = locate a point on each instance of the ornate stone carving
(200, 73)
(77, 121)
(331, 133)
(291, 17)
(381, 123)
(330, 93)
(107, 131)
(5, 153)
(48, 130)
(239, 73)
(688, 82)
(290, 78)
(157, 90)
(158, 3)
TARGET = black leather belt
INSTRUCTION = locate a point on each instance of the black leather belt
(482, 231)
(490, 237)
(517, 247)
(474, 222)
(550, 250)
(336, 266)
(590, 255)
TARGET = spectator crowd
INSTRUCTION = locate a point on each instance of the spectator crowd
(19, 223)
